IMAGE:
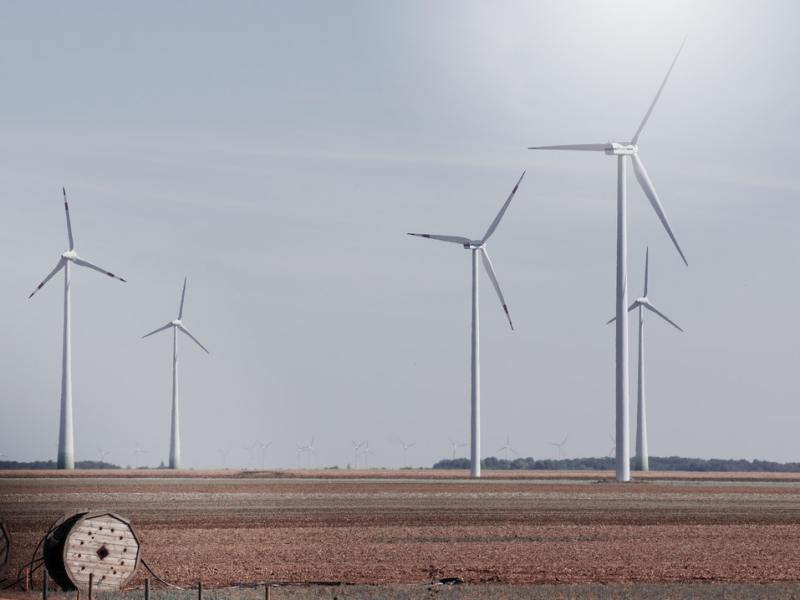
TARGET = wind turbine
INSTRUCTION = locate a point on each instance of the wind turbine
(455, 445)
(264, 446)
(560, 445)
(356, 448)
(223, 454)
(366, 451)
(302, 448)
(137, 451)
(175, 432)
(66, 443)
(622, 150)
(476, 247)
(250, 449)
(642, 460)
(103, 454)
(505, 448)
(405, 452)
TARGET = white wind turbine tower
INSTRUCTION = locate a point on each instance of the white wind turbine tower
(66, 445)
(475, 247)
(175, 432)
(642, 460)
(622, 150)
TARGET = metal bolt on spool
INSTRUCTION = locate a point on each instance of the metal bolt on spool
(101, 544)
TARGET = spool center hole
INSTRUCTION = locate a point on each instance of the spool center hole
(102, 552)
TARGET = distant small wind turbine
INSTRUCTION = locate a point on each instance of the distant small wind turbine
(507, 447)
(306, 448)
(264, 446)
(66, 445)
(405, 451)
(103, 454)
(642, 460)
(250, 449)
(223, 454)
(560, 445)
(357, 446)
(366, 451)
(623, 150)
(476, 247)
(175, 433)
(455, 446)
(137, 451)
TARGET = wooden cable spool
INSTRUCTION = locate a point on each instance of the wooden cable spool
(99, 543)
(5, 548)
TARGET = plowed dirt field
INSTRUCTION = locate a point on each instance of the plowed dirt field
(421, 526)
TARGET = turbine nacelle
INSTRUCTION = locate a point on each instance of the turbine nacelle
(618, 149)
(69, 255)
(176, 323)
(474, 245)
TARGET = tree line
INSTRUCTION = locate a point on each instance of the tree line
(657, 463)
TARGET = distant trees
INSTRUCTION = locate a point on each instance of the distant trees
(657, 463)
(51, 464)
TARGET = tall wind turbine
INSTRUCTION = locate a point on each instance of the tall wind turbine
(476, 247)
(66, 445)
(622, 150)
(642, 460)
(175, 432)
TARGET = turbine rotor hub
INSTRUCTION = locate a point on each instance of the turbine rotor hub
(176, 323)
(69, 255)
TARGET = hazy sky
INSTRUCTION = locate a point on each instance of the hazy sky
(277, 152)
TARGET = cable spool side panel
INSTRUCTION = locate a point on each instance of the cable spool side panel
(5, 548)
(102, 544)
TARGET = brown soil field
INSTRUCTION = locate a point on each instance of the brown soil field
(417, 527)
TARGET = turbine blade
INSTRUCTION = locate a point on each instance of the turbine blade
(444, 238)
(658, 95)
(646, 269)
(50, 275)
(650, 192)
(650, 307)
(183, 295)
(583, 147)
(69, 221)
(630, 308)
(194, 339)
(167, 326)
(487, 263)
(85, 263)
(502, 212)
